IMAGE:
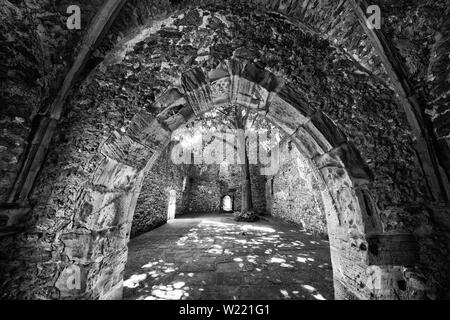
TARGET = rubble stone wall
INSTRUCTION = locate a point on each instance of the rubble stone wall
(295, 193)
(152, 204)
(84, 197)
(210, 183)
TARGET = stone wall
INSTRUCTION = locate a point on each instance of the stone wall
(70, 225)
(209, 183)
(205, 193)
(36, 51)
(152, 204)
(258, 183)
(295, 192)
(46, 51)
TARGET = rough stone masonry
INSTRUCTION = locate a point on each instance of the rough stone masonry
(87, 118)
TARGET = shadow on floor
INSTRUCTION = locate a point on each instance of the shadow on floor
(214, 257)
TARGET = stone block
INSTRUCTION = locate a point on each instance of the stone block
(346, 157)
(218, 73)
(393, 249)
(146, 129)
(262, 77)
(369, 211)
(289, 94)
(114, 175)
(335, 178)
(168, 98)
(123, 149)
(285, 115)
(325, 132)
(307, 143)
(200, 99)
(174, 117)
(220, 91)
(347, 206)
(103, 210)
(80, 246)
(193, 79)
(198, 91)
(247, 93)
(236, 67)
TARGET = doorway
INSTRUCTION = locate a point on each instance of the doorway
(171, 208)
(227, 204)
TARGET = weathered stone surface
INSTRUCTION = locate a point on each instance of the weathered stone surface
(220, 91)
(114, 175)
(153, 201)
(247, 93)
(218, 73)
(80, 246)
(170, 97)
(198, 92)
(295, 193)
(326, 132)
(100, 211)
(261, 76)
(173, 118)
(359, 105)
(346, 157)
(210, 183)
(123, 149)
(307, 143)
(285, 115)
(146, 130)
(294, 98)
(393, 250)
(370, 212)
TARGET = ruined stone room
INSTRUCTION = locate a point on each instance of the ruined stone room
(225, 150)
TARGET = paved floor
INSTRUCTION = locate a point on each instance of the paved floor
(215, 257)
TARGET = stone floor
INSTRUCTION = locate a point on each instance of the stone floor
(215, 257)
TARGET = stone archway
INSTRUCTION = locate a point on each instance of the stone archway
(85, 213)
(334, 158)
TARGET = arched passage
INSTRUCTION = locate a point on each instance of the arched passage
(340, 166)
(337, 161)
(125, 137)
